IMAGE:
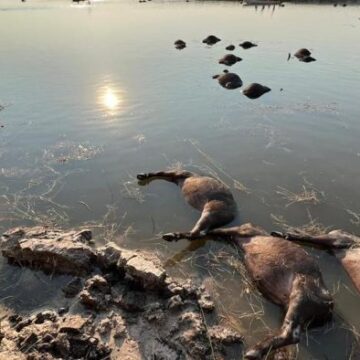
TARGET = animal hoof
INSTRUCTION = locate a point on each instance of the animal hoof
(278, 234)
(253, 355)
(141, 176)
(170, 237)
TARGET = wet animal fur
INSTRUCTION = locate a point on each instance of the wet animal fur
(286, 275)
(206, 194)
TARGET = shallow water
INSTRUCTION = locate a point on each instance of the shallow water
(95, 94)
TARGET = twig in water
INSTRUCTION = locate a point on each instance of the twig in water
(307, 195)
(207, 332)
(313, 227)
(85, 204)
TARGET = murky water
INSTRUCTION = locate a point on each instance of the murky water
(95, 94)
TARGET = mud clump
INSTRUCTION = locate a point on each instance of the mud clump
(222, 336)
(127, 307)
(142, 268)
(96, 293)
(52, 251)
(51, 338)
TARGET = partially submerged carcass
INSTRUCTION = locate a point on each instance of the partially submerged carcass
(286, 275)
(206, 194)
(343, 245)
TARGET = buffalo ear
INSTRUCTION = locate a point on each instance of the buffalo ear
(215, 76)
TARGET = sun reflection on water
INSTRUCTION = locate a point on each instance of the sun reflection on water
(110, 100)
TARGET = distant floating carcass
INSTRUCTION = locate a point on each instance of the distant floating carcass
(261, 2)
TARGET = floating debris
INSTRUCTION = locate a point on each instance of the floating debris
(65, 151)
(140, 138)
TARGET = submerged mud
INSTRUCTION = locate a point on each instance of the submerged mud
(123, 305)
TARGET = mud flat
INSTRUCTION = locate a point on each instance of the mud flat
(123, 305)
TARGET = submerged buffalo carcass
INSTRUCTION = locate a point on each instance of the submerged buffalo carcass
(211, 40)
(304, 55)
(204, 193)
(255, 90)
(228, 80)
(286, 275)
(229, 59)
(345, 247)
(247, 45)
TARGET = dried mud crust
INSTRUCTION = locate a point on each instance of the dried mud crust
(129, 307)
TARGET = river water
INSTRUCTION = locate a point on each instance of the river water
(94, 94)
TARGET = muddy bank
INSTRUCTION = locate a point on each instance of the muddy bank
(123, 305)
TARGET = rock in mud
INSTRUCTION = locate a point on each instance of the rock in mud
(229, 81)
(247, 45)
(52, 251)
(211, 40)
(254, 90)
(229, 59)
(180, 44)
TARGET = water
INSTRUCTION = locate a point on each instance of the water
(95, 94)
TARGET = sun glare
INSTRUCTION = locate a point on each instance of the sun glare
(111, 100)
